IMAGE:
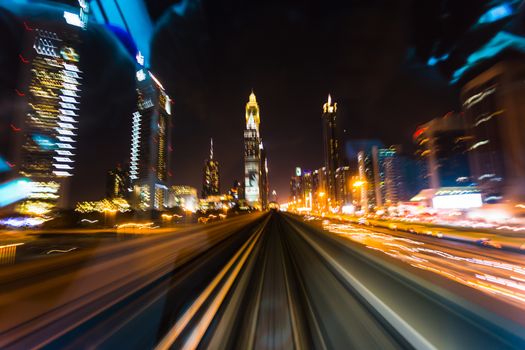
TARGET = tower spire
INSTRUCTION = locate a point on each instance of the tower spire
(328, 107)
(211, 148)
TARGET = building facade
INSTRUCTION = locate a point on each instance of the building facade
(45, 133)
(331, 148)
(494, 106)
(236, 191)
(210, 176)
(117, 183)
(343, 178)
(184, 197)
(367, 180)
(255, 160)
(389, 184)
(296, 187)
(442, 144)
(320, 185)
(264, 184)
(150, 143)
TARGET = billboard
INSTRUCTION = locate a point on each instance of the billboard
(252, 186)
(457, 201)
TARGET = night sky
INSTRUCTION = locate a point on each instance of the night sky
(368, 54)
(292, 55)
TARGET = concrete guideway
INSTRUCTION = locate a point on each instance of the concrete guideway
(264, 281)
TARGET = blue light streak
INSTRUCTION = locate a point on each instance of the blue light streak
(14, 190)
(44, 142)
(131, 16)
(501, 41)
(4, 167)
(181, 7)
(497, 13)
(432, 61)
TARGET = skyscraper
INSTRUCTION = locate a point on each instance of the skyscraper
(494, 107)
(343, 185)
(331, 148)
(117, 183)
(210, 175)
(319, 186)
(45, 133)
(255, 167)
(388, 177)
(443, 144)
(367, 180)
(264, 185)
(296, 186)
(235, 190)
(150, 143)
(182, 196)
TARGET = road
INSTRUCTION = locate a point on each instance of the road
(263, 281)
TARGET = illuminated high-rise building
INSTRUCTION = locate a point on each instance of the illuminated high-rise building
(45, 134)
(388, 177)
(367, 180)
(296, 186)
(184, 197)
(117, 183)
(343, 184)
(443, 144)
(264, 185)
(235, 190)
(150, 143)
(331, 149)
(210, 176)
(493, 105)
(255, 165)
(319, 186)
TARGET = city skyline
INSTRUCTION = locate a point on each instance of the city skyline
(203, 174)
(293, 105)
(306, 148)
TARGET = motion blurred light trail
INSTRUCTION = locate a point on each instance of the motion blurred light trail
(484, 270)
(14, 190)
(260, 281)
(43, 300)
(203, 324)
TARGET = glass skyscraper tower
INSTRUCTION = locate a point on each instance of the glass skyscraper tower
(45, 133)
(255, 166)
(331, 148)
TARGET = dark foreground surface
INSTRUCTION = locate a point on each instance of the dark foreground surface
(264, 281)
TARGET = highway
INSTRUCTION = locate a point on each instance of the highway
(267, 281)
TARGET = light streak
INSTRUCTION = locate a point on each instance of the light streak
(497, 13)
(10, 245)
(73, 19)
(14, 190)
(156, 80)
(136, 225)
(61, 250)
(23, 221)
(501, 278)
